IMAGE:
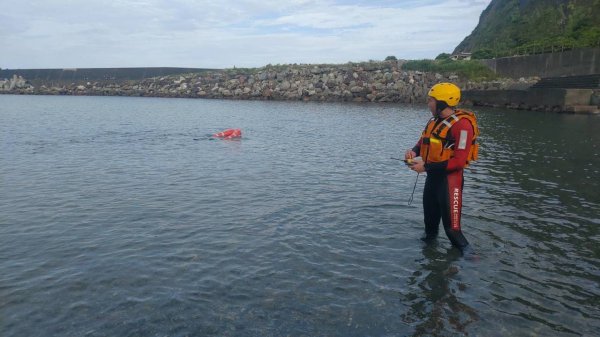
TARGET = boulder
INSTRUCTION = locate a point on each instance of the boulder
(267, 93)
(356, 89)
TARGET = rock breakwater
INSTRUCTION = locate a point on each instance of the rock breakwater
(358, 82)
(16, 84)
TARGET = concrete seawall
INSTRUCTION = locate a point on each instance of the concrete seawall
(569, 82)
(549, 99)
(69, 75)
(576, 62)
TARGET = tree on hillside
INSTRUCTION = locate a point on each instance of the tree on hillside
(512, 27)
(443, 56)
(481, 54)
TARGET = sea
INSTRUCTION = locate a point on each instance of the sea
(123, 216)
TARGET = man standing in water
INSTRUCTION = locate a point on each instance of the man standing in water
(445, 148)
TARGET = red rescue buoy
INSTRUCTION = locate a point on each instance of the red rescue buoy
(229, 134)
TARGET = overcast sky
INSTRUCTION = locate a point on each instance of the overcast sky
(227, 33)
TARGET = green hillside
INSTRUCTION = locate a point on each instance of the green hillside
(509, 27)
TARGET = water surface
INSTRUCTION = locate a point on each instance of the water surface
(122, 217)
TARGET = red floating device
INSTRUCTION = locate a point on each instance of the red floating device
(229, 134)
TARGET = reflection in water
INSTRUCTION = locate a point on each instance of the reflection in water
(434, 304)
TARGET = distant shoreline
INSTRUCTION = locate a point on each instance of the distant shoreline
(383, 81)
(376, 81)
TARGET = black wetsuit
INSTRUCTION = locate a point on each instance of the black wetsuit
(442, 195)
(442, 199)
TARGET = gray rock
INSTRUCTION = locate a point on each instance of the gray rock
(267, 93)
(356, 89)
(285, 85)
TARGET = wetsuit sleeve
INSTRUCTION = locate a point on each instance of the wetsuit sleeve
(417, 148)
(462, 146)
(462, 132)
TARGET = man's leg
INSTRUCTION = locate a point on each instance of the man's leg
(431, 209)
(450, 197)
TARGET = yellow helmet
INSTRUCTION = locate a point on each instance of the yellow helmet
(446, 92)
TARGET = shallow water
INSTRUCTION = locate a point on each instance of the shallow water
(122, 217)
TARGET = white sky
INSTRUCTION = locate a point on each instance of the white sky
(227, 33)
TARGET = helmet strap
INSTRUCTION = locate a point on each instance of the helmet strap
(440, 106)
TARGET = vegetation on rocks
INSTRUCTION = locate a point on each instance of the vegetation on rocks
(469, 69)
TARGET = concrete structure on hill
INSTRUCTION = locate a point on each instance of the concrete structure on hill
(461, 56)
(575, 62)
(569, 82)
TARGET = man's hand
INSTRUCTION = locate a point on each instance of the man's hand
(418, 165)
(410, 154)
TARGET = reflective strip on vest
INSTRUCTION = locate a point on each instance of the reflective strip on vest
(462, 142)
